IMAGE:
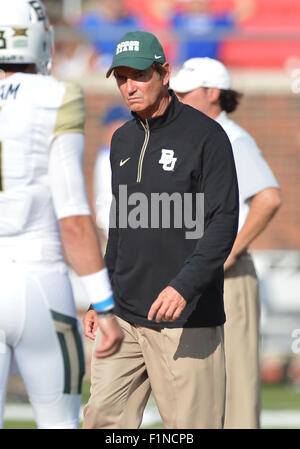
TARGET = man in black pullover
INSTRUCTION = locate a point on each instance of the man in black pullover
(174, 221)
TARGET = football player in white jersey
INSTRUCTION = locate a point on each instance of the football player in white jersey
(43, 206)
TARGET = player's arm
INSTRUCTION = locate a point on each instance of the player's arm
(263, 207)
(79, 234)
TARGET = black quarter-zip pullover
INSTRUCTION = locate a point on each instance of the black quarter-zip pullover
(142, 261)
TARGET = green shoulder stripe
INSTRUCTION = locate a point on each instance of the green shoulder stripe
(71, 114)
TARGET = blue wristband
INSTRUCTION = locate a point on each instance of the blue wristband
(103, 305)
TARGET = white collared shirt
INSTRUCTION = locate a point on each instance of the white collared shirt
(253, 172)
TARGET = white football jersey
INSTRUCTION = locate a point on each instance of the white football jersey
(34, 109)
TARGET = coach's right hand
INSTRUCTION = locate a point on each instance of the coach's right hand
(112, 334)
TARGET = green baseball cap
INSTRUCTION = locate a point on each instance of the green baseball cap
(138, 50)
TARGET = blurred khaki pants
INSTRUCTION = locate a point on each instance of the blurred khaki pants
(184, 369)
(241, 336)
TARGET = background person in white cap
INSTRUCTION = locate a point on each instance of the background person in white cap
(205, 84)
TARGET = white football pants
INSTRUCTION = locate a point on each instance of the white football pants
(40, 329)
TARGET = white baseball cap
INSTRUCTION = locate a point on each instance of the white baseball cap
(201, 72)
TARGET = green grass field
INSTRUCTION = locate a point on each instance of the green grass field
(279, 397)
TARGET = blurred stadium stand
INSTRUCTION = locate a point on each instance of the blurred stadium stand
(263, 55)
(268, 38)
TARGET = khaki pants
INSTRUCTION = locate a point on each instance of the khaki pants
(184, 369)
(241, 336)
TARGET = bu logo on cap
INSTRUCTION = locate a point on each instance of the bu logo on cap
(127, 46)
(167, 160)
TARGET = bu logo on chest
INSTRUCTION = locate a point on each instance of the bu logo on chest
(167, 160)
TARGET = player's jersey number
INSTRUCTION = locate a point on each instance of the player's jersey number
(2, 40)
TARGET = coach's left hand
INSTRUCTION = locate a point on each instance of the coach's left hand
(168, 306)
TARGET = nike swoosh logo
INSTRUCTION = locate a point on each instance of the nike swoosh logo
(124, 162)
(157, 57)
